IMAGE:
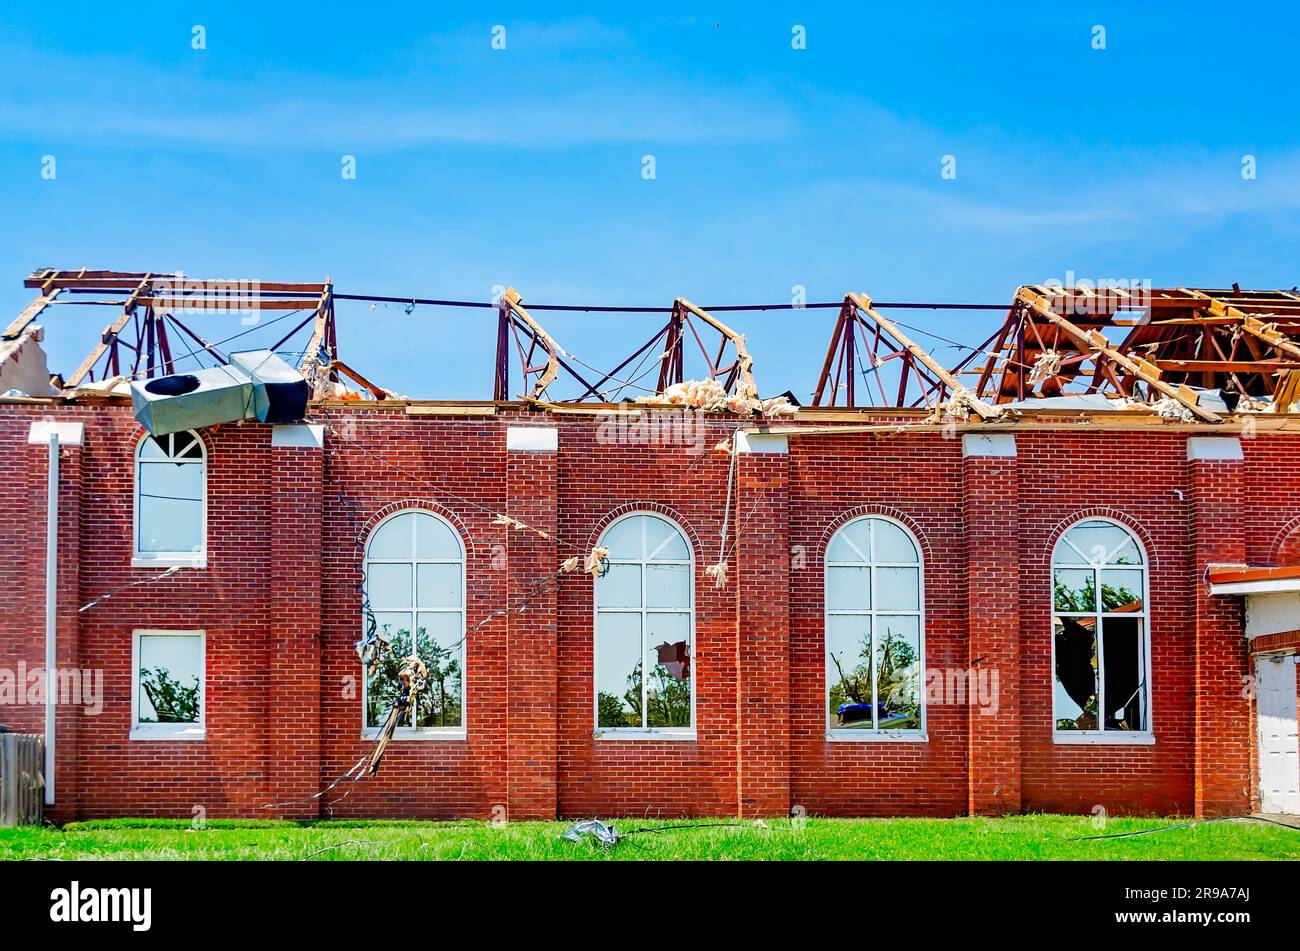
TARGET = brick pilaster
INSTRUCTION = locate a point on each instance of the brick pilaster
(990, 499)
(297, 463)
(532, 660)
(762, 587)
(1222, 711)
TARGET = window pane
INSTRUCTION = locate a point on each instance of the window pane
(389, 586)
(852, 543)
(151, 449)
(434, 539)
(439, 644)
(437, 586)
(1095, 540)
(1074, 697)
(619, 587)
(898, 589)
(618, 670)
(170, 671)
(848, 589)
(170, 507)
(668, 692)
(892, 543)
(1121, 590)
(848, 670)
(1128, 554)
(382, 688)
(623, 538)
(392, 539)
(1125, 673)
(668, 586)
(898, 672)
(1064, 553)
(664, 542)
(1074, 589)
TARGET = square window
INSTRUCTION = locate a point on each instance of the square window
(168, 684)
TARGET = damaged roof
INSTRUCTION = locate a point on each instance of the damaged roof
(1187, 355)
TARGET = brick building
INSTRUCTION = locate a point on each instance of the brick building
(1067, 612)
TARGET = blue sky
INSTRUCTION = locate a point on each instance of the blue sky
(774, 167)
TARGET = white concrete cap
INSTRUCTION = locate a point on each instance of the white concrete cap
(1214, 447)
(988, 444)
(70, 434)
(532, 438)
(299, 436)
(761, 442)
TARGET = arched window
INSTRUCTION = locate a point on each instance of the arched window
(170, 501)
(875, 638)
(645, 629)
(415, 582)
(1100, 648)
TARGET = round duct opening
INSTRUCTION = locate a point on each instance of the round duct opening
(173, 385)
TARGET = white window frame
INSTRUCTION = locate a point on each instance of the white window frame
(646, 732)
(169, 559)
(429, 732)
(1102, 736)
(875, 734)
(168, 731)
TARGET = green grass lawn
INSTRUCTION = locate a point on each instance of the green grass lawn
(1017, 837)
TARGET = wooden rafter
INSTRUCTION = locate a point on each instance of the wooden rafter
(864, 306)
(1101, 347)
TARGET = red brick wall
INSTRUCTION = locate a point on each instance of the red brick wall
(286, 529)
(1140, 481)
(917, 480)
(990, 489)
(598, 481)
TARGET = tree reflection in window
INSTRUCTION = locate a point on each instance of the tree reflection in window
(170, 670)
(874, 617)
(1099, 637)
(414, 580)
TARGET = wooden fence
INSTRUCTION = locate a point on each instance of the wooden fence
(22, 786)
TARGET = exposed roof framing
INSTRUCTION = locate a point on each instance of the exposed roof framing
(1144, 345)
(1148, 346)
(542, 360)
(865, 341)
(139, 341)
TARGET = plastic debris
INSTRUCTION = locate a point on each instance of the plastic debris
(606, 835)
(718, 573)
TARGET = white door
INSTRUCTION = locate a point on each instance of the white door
(1279, 745)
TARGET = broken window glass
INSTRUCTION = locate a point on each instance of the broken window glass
(1075, 695)
(1124, 653)
(668, 688)
(644, 627)
(1099, 630)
